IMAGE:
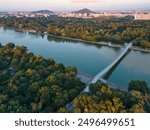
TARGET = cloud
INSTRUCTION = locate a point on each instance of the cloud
(88, 1)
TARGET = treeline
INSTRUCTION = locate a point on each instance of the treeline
(115, 30)
(30, 83)
(102, 99)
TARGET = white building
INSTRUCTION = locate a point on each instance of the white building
(142, 16)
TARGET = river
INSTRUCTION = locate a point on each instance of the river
(87, 58)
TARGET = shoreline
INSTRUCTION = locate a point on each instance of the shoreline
(108, 44)
(134, 48)
(91, 42)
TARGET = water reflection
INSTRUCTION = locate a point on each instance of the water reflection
(63, 40)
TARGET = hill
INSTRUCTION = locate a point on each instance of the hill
(85, 10)
(43, 11)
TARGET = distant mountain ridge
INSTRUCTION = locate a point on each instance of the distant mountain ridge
(43, 11)
(85, 10)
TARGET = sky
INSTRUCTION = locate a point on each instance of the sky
(70, 5)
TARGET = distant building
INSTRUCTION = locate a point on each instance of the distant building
(142, 16)
(85, 13)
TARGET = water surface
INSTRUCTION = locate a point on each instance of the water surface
(87, 58)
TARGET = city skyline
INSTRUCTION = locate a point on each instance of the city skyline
(70, 5)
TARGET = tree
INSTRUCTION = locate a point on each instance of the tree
(138, 85)
(137, 108)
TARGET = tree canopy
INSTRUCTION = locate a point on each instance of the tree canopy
(30, 83)
(102, 99)
(115, 30)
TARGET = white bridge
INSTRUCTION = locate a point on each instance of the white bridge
(100, 76)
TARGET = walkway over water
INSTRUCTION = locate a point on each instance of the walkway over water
(101, 75)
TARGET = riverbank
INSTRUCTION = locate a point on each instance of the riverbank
(73, 39)
(91, 42)
(134, 48)
(109, 44)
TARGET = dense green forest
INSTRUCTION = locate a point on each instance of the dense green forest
(30, 83)
(115, 30)
(103, 99)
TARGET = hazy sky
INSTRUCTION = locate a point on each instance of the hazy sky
(60, 5)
